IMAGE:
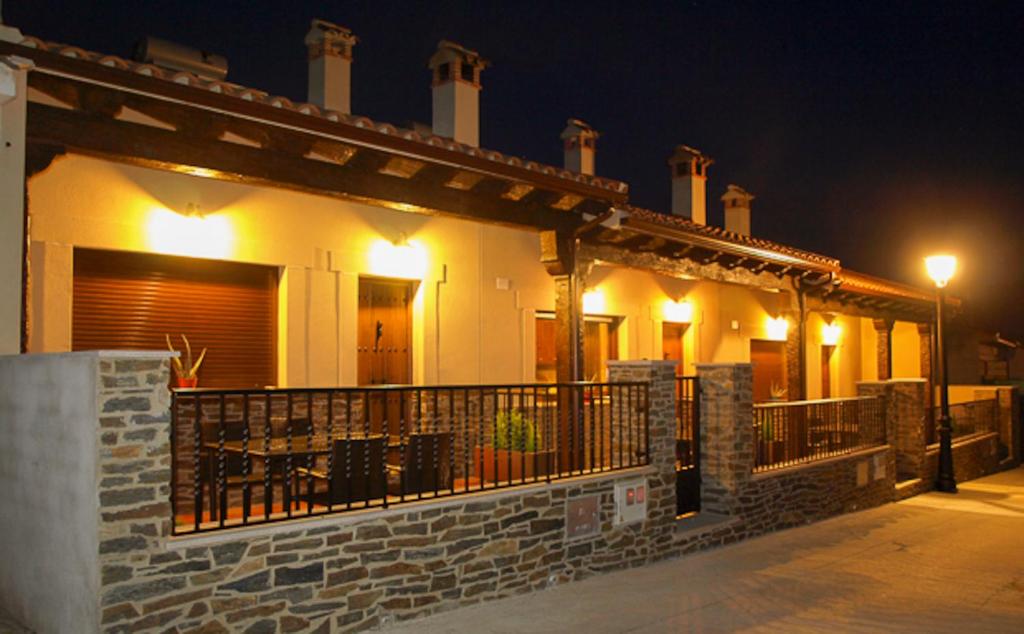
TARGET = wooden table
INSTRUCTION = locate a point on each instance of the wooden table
(276, 454)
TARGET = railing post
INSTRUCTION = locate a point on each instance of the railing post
(661, 420)
(726, 434)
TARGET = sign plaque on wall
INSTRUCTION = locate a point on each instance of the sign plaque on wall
(583, 518)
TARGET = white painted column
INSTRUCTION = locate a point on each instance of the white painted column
(13, 105)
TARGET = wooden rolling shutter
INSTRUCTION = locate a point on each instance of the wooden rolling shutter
(131, 300)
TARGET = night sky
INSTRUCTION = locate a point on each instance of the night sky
(871, 132)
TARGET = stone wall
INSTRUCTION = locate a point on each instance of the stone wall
(356, 570)
(781, 498)
(973, 457)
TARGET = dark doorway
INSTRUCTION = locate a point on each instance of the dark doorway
(672, 344)
(769, 361)
(826, 371)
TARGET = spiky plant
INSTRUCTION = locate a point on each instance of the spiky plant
(186, 370)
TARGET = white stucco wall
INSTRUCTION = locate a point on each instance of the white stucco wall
(49, 543)
(12, 196)
(465, 328)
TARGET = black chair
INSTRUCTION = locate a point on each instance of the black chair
(355, 473)
(422, 465)
(236, 472)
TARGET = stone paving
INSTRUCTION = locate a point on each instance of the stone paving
(932, 563)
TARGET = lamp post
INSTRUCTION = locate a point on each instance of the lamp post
(941, 269)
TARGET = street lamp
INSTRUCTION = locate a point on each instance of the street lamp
(941, 269)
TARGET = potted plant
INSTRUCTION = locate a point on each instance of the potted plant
(185, 374)
(515, 452)
(776, 392)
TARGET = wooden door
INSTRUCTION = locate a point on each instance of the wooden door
(826, 372)
(385, 334)
(672, 344)
(547, 352)
(600, 345)
(769, 361)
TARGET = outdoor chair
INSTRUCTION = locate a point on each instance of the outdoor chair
(355, 473)
(421, 464)
(235, 472)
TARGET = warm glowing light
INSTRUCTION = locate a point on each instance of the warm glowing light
(407, 260)
(678, 312)
(940, 268)
(593, 302)
(776, 328)
(830, 334)
(193, 235)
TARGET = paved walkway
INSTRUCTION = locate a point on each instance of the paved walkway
(933, 563)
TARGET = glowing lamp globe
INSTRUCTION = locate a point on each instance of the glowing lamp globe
(940, 268)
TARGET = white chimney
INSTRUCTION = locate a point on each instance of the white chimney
(456, 88)
(689, 184)
(9, 33)
(737, 209)
(580, 141)
(330, 66)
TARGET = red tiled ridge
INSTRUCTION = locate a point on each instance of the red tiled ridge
(852, 280)
(258, 96)
(721, 234)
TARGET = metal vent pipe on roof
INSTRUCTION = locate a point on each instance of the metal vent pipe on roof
(173, 56)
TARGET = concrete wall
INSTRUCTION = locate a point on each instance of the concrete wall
(49, 541)
(321, 246)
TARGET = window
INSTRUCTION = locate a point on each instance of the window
(444, 72)
(468, 72)
(130, 301)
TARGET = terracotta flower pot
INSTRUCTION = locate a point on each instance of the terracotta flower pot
(496, 464)
(182, 382)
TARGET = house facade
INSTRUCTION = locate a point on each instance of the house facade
(495, 261)
(434, 374)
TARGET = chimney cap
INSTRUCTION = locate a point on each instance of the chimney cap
(448, 51)
(331, 37)
(578, 128)
(737, 192)
(687, 153)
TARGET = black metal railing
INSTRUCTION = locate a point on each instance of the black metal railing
(243, 457)
(802, 431)
(687, 445)
(967, 419)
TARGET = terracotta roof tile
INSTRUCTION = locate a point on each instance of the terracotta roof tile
(683, 224)
(249, 94)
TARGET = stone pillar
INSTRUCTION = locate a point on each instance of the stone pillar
(1009, 421)
(660, 375)
(726, 434)
(883, 328)
(904, 422)
(134, 428)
